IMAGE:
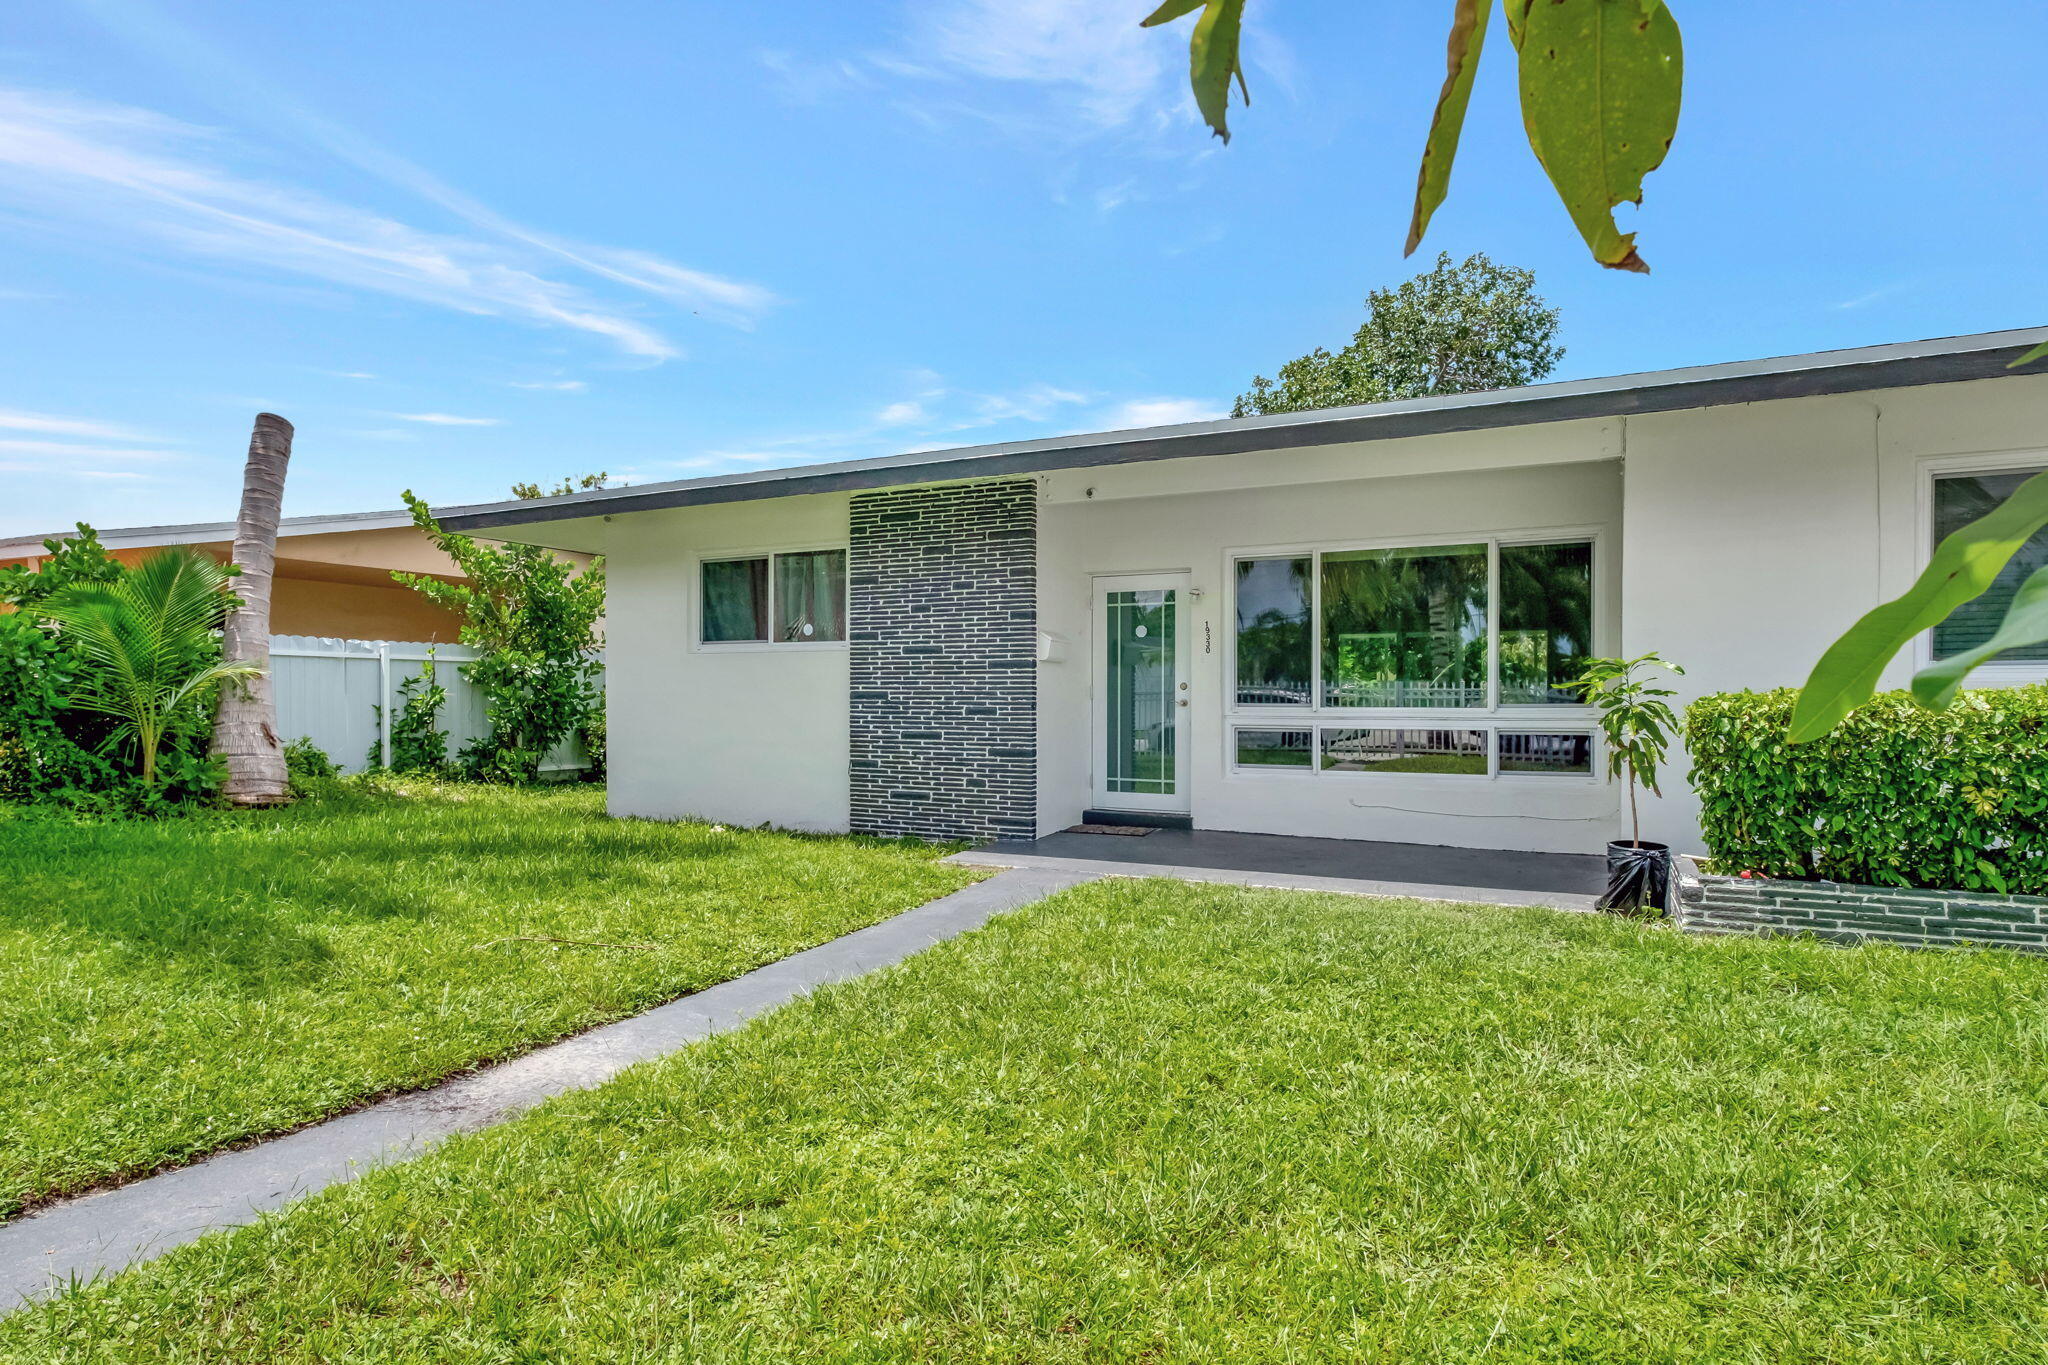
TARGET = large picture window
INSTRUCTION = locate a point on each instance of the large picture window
(1413, 628)
(1415, 659)
(1960, 499)
(793, 598)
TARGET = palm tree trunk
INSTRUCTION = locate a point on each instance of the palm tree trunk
(245, 727)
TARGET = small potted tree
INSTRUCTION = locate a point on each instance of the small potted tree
(1640, 725)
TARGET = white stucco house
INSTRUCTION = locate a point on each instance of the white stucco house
(1349, 623)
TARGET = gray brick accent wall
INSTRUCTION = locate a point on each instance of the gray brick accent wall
(1848, 913)
(943, 626)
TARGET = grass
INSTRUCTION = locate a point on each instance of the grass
(168, 988)
(1160, 1123)
(1473, 765)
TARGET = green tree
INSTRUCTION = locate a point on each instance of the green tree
(1637, 720)
(532, 618)
(150, 645)
(584, 484)
(68, 561)
(1454, 329)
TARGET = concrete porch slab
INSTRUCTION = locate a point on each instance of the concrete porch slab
(1564, 881)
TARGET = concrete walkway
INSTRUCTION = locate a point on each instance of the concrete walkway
(1360, 867)
(103, 1233)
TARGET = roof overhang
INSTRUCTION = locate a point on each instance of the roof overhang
(1944, 360)
(210, 532)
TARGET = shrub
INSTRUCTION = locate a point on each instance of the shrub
(107, 678)
(304, 760)
(532, 619)
(1896, 796)
(47, 752)
(418, 743)
(594, 745)
(40, 757)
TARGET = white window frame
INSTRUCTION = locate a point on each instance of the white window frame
(1492, 718)
(1992, 674)
(700, 645)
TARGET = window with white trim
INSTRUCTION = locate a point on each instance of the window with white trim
(1960, 499)
(793, 597)
(1421, 659)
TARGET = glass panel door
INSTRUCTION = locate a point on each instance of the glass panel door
(1143, 709)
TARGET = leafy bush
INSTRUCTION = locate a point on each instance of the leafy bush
(533, 620)
(1895, 796)
(40, 758)
(418, 743)
(305, 761)
(45, 754)
(107, 678)
(594, 745)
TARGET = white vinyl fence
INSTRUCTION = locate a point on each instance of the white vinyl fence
(329, 690)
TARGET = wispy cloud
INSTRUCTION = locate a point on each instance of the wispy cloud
(69, 448)
(1873, 296)
(1161, 412)
(1090, 53)
(447, 419)
(75, 446)
(897, 414)
(1061, 69)
(934, 416)
(234, 80)
(552, 385)
(48, 471)
(804, 81)
(119, 170)
(14, 419)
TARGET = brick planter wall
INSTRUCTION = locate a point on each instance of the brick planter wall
(943, 634)
(1848, 913)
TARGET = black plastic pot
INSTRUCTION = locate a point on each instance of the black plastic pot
(1638, 877)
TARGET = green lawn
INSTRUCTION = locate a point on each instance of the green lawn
(169, 987)
(1162, 1123)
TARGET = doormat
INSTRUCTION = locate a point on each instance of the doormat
(1121, 831)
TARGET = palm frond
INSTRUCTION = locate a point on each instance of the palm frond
(147, 640)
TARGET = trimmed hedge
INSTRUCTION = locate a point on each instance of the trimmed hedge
(1896, 796)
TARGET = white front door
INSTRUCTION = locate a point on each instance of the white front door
(1141, 693)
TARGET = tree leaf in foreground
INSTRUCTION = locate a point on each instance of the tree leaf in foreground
(1601, 81)
(1468, 36)
(1212, 54)
(1962, 568)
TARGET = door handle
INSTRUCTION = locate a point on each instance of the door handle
(1183, 701)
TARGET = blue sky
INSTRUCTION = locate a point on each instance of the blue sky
(460, 243)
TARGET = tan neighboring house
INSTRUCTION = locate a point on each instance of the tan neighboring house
(333, 572)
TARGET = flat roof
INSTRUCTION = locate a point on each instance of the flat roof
(207, 532)
(1941, 360)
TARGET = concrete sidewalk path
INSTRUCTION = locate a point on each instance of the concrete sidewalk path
(100, 1234)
